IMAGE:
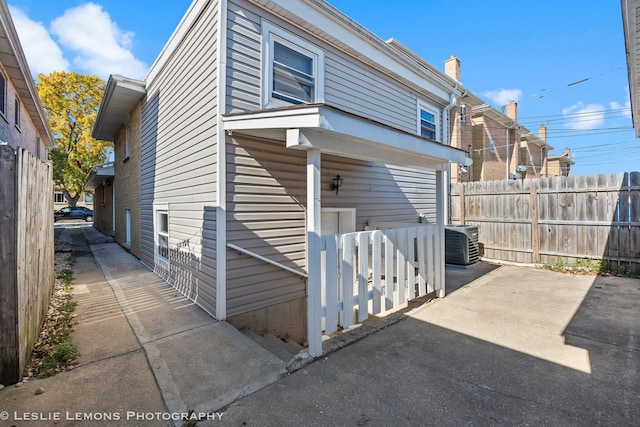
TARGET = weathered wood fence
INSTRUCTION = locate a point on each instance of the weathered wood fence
(555, 219)
(26, 256)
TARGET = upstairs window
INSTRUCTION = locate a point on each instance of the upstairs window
(3, 94)
(16, 119)
(428, 121)
(127, 141)
(293, 69)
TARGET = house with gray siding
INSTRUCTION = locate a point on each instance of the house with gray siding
(276, 136)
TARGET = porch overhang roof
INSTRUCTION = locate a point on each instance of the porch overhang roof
(99, 175)
(337, 132)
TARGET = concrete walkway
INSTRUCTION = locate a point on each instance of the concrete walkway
(200, 364)
(146, 353)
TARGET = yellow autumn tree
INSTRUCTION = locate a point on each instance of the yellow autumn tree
(71, 102)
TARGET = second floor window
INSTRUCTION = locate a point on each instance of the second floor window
(293, 69)
(17, 113)
(428, 121)
(3, 93)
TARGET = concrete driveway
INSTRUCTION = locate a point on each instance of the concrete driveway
(518, 346)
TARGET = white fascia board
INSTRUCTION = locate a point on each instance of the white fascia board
(278, 119)
(121, 94)
(337, 144)
(176, 37)
(331, 21)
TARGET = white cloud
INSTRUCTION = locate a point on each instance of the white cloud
(503, 96)
(584, 117)
(43, 54)
(626, 108)
(101, 47)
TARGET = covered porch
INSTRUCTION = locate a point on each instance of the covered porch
(371, 258)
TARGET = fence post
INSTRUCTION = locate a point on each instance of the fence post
(535, 236)
(463, 205)
(9, 345)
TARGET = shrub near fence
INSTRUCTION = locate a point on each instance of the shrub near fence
(26, 256)
(558, 219)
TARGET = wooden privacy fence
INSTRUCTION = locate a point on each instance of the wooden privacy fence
(26, 256)
(375, 271)
(555, 219)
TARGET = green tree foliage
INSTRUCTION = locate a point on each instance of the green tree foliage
(71, 102)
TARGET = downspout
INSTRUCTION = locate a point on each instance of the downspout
(447, 141)
(507, 145)
(221, 168)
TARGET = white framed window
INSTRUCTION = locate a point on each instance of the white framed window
(16, 115)
(428, 121)
(127, 227)
(161, 235)
(127, 141)
(58, 197)
(293, 69)
(3, 94)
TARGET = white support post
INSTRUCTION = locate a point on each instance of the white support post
(441, 200)
(314, 264)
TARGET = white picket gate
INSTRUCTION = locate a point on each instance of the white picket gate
(370, 272)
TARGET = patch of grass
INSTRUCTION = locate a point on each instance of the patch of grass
(60, 356)
(588, 266)
(54, 351)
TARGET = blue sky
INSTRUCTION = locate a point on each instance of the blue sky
(533, 52)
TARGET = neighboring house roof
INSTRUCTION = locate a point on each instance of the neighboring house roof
(99, 174)
(534, 139)
(630, 11)
(14, 61)
(561, 158)
(525, 134)
(120, 96)
(488, 111)
(334, 131)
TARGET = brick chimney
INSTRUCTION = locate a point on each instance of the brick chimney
(452, 67)
(512, 110)
(542, 132)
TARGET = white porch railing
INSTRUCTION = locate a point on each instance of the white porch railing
(371, 272)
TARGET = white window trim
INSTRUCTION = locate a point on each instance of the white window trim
(422, 105)
(55, 194)
(271, 33)
(3, 105)
(159, 260)
(17, 113)
(127, 227)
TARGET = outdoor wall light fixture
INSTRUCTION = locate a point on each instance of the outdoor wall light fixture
(336, 183)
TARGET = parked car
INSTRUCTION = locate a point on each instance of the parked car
(73, 212)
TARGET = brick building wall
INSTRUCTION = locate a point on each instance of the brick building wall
(127, 183)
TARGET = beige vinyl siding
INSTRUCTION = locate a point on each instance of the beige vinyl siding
(350, 85)
(266, 187)
(266, 203)
(359, 89)
(379, 192)
(179, 159)
(243, 59)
